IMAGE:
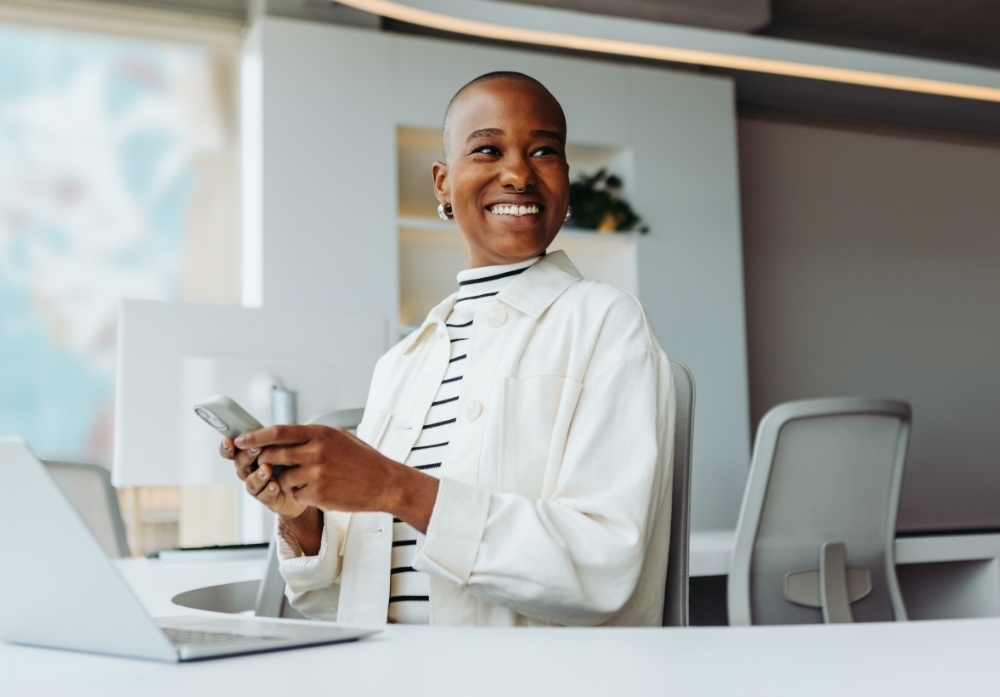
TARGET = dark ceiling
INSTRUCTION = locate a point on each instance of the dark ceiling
(958, 30)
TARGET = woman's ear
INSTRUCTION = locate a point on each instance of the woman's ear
(442, 189)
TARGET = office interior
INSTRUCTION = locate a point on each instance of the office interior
(818, 180)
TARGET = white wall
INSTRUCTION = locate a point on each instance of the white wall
(873, 268)
(331, 100)
(328, 145)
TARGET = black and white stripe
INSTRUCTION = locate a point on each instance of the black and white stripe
(409, 590)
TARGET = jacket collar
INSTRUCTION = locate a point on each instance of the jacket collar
(531, 293)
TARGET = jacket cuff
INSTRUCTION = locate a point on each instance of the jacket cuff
(455, 531)
(302, 573)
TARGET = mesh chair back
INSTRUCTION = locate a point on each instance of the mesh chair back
(825, 473)
(675, 604)
(88, 488)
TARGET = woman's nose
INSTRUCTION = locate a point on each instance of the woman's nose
(516, 172)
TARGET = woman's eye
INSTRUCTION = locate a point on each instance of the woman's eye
(544, 151)
(487, 150)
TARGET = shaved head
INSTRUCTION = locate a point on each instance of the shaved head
(482, 79)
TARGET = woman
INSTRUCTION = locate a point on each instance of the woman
(514, 462)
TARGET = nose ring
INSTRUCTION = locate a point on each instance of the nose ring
(520, 191)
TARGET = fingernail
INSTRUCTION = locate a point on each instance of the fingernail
(254, 451)
(261, 473)
(272, 487)
(239, 441)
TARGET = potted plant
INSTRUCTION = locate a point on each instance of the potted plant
(597, 205)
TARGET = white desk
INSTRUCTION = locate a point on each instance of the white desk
(917, 658)
(155, 583)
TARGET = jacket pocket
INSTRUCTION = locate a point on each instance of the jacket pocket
(398, 436)
(537, 414)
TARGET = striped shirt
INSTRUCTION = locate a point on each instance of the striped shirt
(408, 588)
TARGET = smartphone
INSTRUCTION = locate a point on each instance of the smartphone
(226, 416)
(230, 419)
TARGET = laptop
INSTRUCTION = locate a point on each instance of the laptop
(58, 588)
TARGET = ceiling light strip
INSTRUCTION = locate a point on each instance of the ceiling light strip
(470, 27)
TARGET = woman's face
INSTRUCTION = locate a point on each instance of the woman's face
(504, 136)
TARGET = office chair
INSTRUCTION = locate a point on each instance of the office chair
(814, 541)
(89, 489)
(271, 600)
(675, 602)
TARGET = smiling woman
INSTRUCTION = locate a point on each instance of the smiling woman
(514, 463)
(505, 178)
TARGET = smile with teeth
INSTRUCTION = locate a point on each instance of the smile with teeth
(504, 209)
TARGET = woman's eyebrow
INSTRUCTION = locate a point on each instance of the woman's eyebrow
(555, 135)
(484, 133)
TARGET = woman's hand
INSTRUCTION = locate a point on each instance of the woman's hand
(259, 480)
(332, 469)
(304, 523)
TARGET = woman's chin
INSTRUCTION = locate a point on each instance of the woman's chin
(508, 239)
(526, 226)
(522, 244)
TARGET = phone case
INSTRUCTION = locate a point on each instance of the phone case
(226, 416)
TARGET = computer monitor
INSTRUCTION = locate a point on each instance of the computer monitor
(172, 355)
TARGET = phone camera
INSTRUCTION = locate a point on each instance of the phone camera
(213, 420)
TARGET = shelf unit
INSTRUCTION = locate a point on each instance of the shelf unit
(432, 251)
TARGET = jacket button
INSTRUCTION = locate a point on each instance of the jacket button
(473, 410)
(496, 317)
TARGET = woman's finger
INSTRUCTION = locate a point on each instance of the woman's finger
(282, 434)
(294, 455)
(255, 482)
(227, 449)
(270, 495)
(258, 479)
(246, 463)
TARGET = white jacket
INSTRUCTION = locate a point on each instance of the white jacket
(553, 505)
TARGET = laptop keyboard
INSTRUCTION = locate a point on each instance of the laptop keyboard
(197, 637)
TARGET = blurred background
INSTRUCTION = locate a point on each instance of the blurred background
(860, 243)
(118, 178)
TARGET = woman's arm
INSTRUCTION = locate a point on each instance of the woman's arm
(333, 470)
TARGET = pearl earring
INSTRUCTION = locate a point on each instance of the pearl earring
(445, 212)
(569, 213)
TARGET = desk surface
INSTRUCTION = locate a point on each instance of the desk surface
(945, 657)
(920, 658)
(155, 582)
